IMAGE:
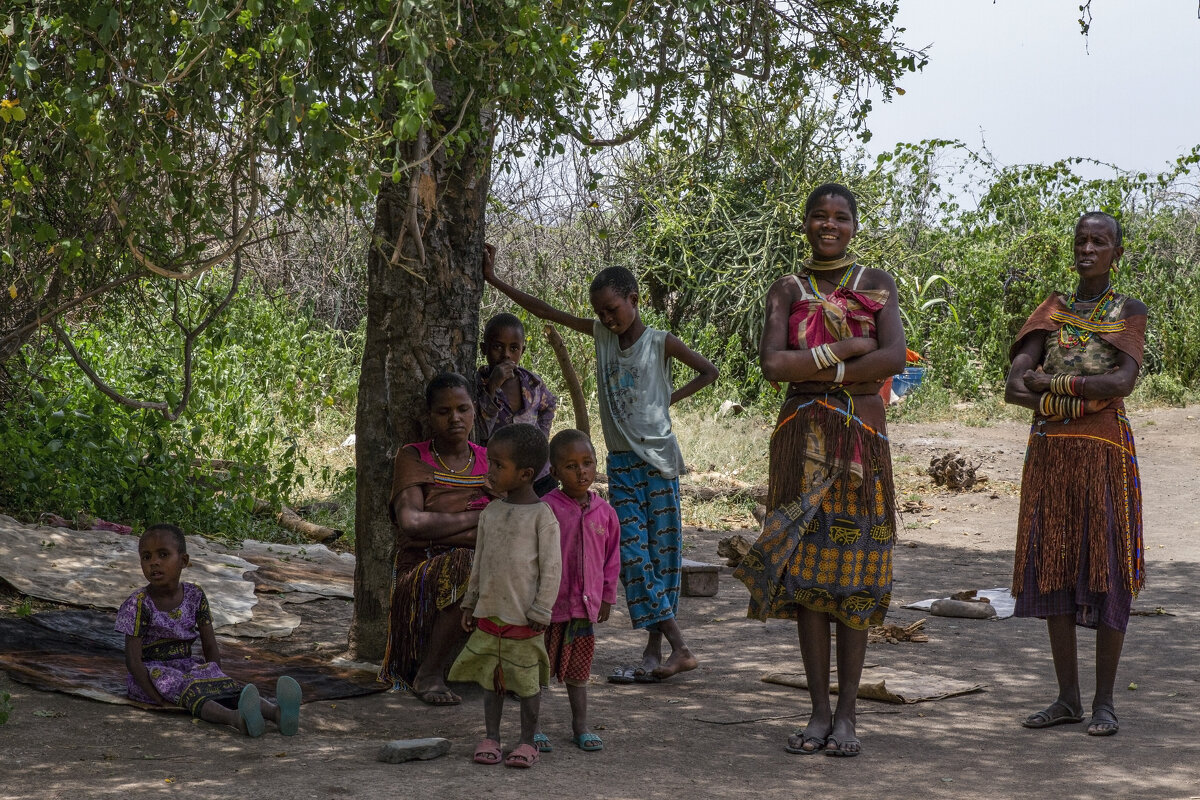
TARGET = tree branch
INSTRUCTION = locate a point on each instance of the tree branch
(204, 266)
(38, 321)
(189, 340)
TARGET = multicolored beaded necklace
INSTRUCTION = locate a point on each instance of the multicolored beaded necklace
(841, 284)
(1078, 331)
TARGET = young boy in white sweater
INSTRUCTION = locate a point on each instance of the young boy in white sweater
(511, 593)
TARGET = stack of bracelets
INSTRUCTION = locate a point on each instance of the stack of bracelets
(825, 359)
(1065, 398)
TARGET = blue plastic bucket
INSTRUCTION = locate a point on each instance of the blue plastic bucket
(907, 381)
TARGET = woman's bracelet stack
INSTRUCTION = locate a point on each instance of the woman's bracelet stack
(1057, 405)
(825, 358)
(1067, 385)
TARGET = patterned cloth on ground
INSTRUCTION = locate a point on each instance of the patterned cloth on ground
(80, 653)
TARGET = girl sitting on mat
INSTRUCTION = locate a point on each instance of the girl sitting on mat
(161, 622)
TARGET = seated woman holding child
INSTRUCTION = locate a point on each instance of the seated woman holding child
(438, 488)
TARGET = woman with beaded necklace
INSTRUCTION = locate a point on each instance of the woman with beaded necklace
(438, 488)
(824, 558)
(1079, 533)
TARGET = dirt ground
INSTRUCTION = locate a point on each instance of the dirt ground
(719, 731)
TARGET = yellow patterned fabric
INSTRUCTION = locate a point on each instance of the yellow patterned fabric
(827, 538)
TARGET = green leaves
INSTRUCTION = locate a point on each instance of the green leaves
(263, 385)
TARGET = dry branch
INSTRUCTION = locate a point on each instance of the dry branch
(574, 387)
(317, 534)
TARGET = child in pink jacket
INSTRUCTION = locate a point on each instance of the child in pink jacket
(590, 534)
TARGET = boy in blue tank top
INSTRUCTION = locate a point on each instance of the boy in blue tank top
(644, 461)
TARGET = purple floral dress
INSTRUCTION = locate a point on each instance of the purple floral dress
(167, 639)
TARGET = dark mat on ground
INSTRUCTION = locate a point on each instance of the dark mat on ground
(78, 652)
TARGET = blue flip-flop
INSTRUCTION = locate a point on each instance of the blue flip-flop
(542, 742)
(589, 742)
(249, 710)
(288, 696)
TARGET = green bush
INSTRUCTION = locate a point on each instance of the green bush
(263, 376)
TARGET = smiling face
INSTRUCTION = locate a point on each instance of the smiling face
(162, 563)
(504, 344)
(451, 415)
(1096, 248)
(615, 312)
(503, 472)
(829, 227)
(574, 465)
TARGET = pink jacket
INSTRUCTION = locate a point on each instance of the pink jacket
(591, 555)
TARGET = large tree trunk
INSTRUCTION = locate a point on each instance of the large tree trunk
(419, 323)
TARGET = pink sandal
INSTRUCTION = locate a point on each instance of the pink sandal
(487, 752)
(523, 756)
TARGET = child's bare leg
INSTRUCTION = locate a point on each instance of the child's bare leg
(681, 659)
(493, 708)
(851, 653)
(214, 712)
(430, 681)
(578, 697)
(530, 707)
(813, 630)
(270, 711)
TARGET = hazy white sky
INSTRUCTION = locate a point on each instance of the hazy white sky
(1015, 74)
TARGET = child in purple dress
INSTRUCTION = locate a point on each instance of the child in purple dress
(161, 622)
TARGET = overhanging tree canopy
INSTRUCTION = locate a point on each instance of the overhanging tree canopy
(145, 143)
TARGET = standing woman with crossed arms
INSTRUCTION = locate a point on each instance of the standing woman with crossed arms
(1079, 534)
(834, 333)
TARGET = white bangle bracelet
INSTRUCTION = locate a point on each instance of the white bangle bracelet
(841, 372)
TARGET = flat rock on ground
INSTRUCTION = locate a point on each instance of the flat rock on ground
(402, 750)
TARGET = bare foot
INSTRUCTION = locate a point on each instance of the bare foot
(649, 666)
(435, 693)
(681, 660)
(842, 740)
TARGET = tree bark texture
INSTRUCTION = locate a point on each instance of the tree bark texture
(422, 319)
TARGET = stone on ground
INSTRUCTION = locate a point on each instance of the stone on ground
(401, 750)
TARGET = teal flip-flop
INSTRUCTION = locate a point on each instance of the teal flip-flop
(542, 742)
(288, 696)
(589, 742)
(250, 711)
